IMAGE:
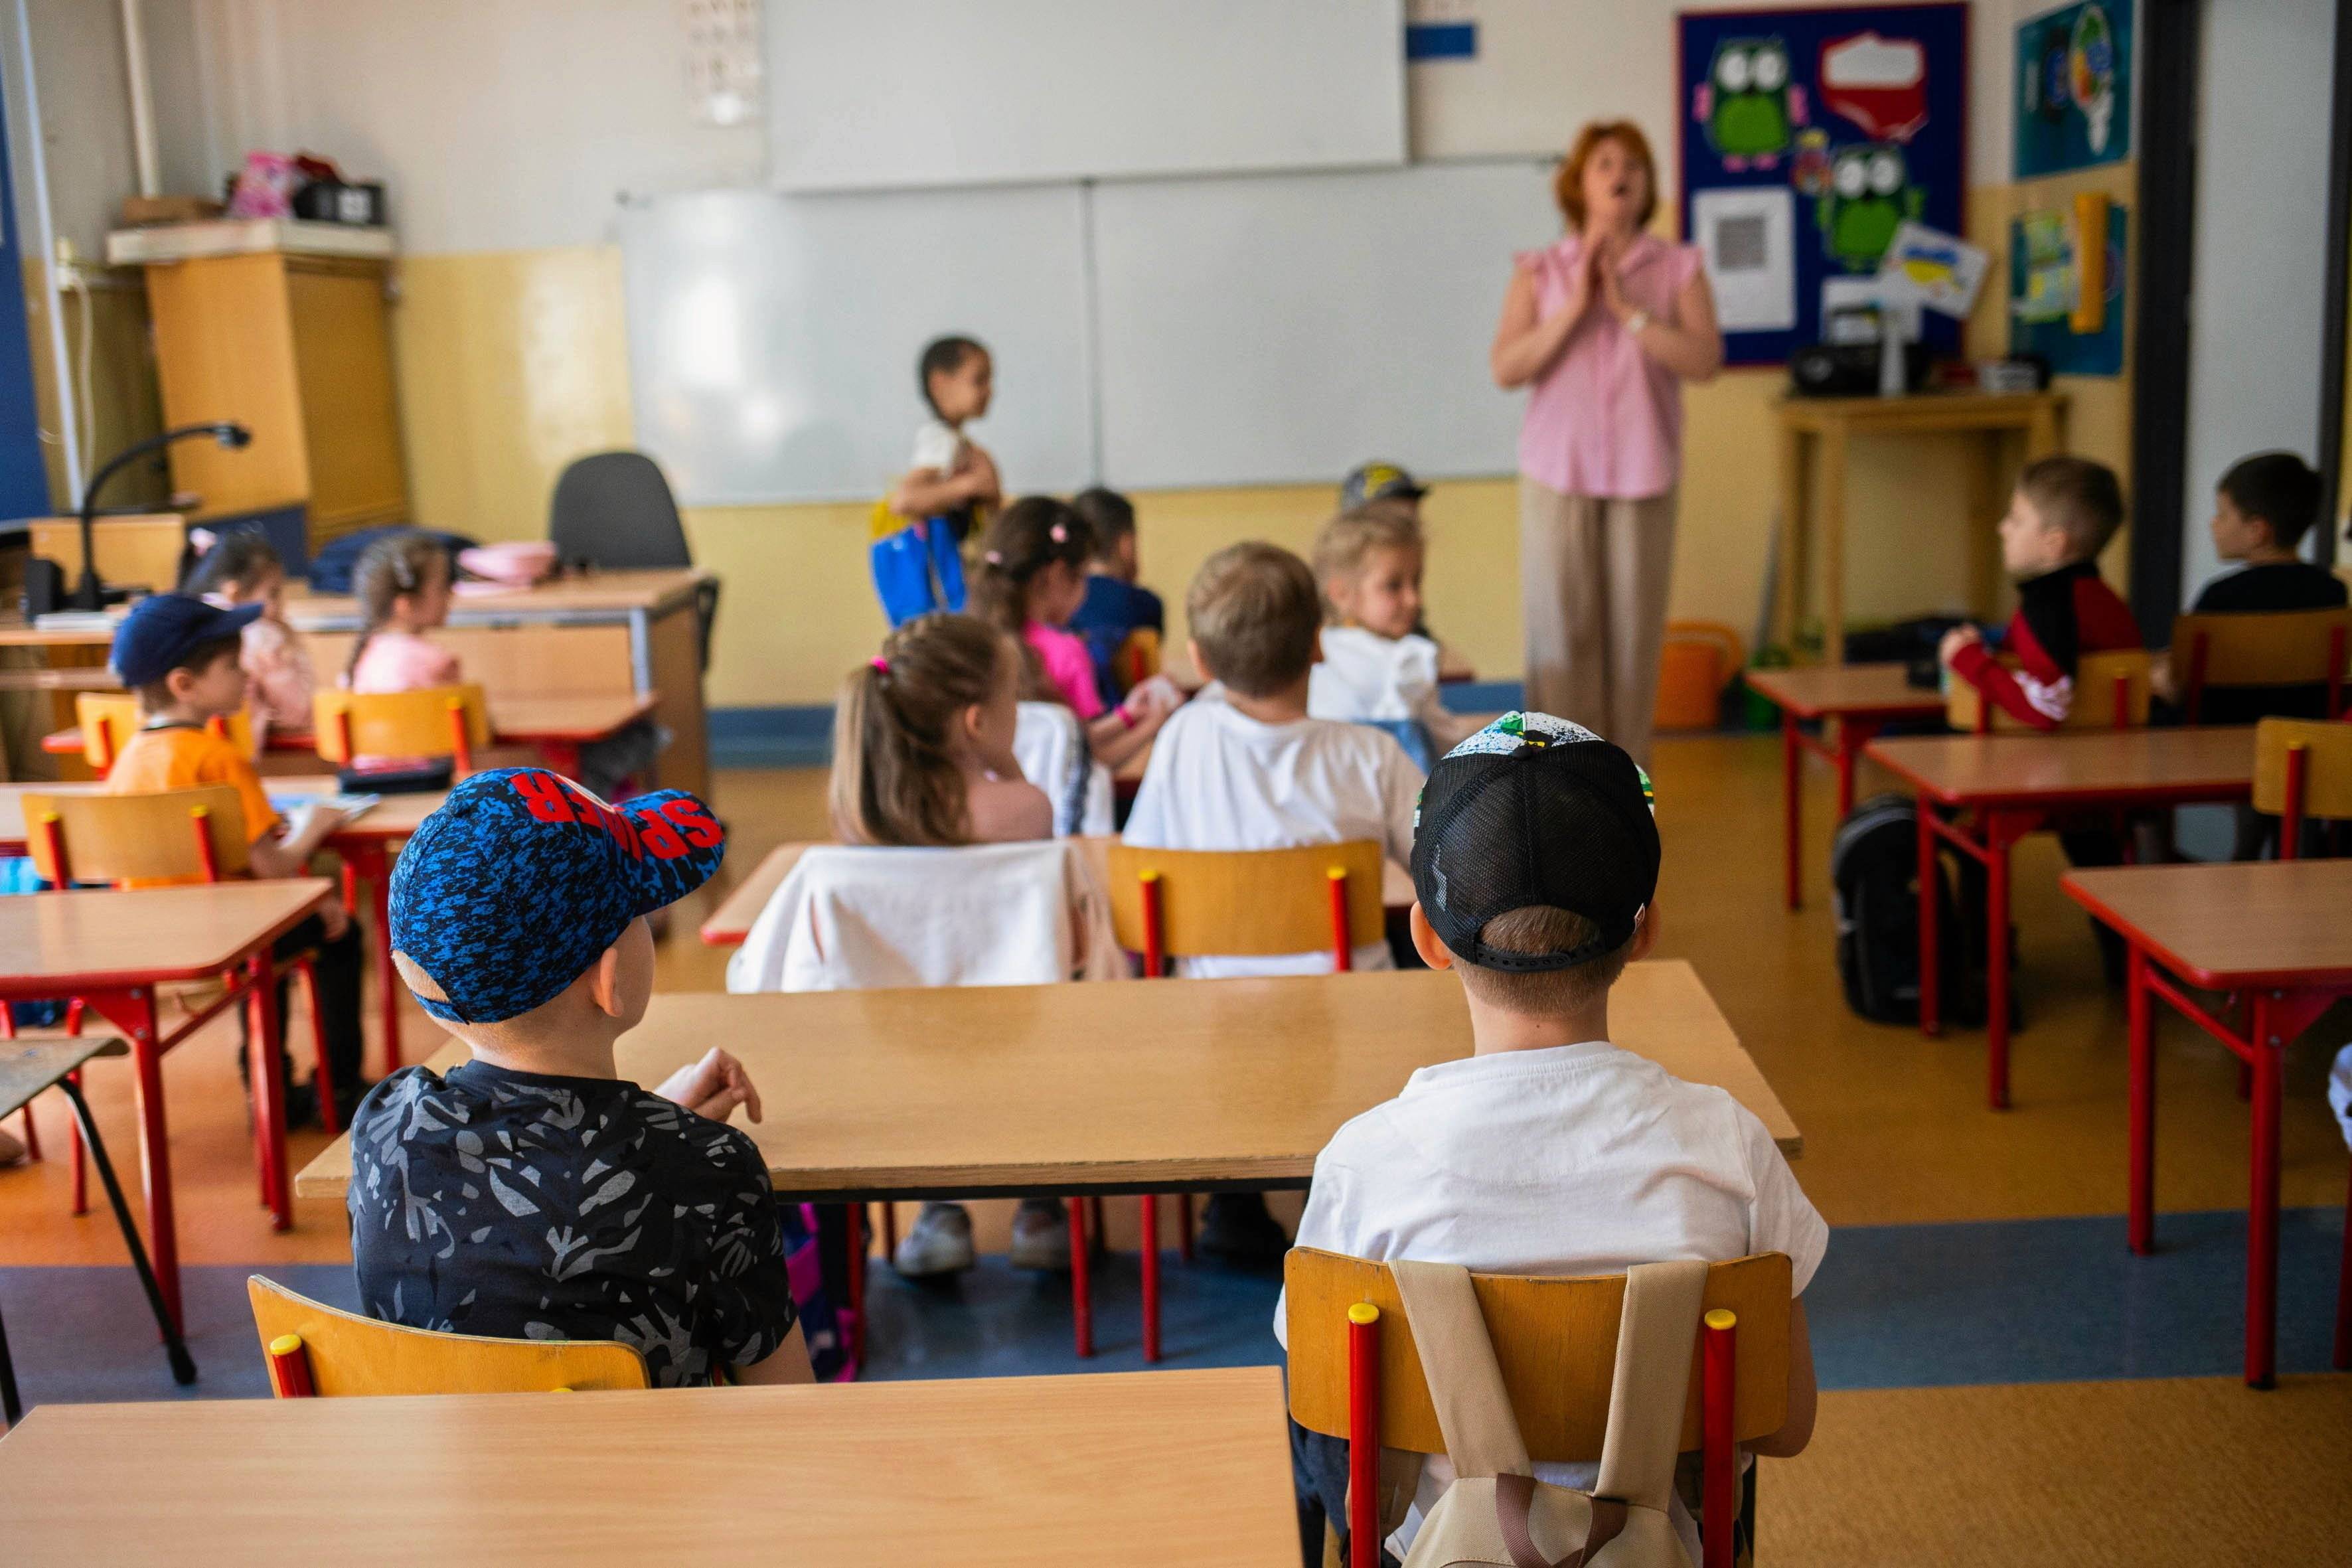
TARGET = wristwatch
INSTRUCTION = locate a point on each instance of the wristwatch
(1637, 321)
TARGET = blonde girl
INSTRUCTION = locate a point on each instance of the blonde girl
(403, 584)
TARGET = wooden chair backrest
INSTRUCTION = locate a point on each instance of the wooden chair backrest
(2327, 765)
(1248, 902)
(108, 719)
(1555, 1339)
(398, 723)
(350, 1354)
(2096, 675)
(2279, 647)
(139, 838)
(1137, 659)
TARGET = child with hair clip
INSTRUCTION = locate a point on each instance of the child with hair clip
(403, 584)
(1031, 580)
(241, 567)
(922, 755)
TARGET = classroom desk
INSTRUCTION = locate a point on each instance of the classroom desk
(112, 949)
(1861, 699)
(608, 632)
(367, 847)
(2033, 421)
(2014, 785)
(2275, 934)
(977, 1471)
(1244, 1083)
(731, 921)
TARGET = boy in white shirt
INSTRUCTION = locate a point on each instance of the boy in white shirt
(952, 475)
(1549, 1150)
(1241, 767)
(1377, 667)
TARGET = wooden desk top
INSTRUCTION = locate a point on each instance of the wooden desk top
(731, 921)
(2276, 922)
(1145, 1086)
(570, 719)
(393, 816)
(981, 1471)
(1921, 411)
(108, 938)
(17, 631)
(2149, 767)
(1827, 690)
(601, 596)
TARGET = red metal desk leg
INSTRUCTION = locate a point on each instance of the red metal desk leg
(1082, 1308)
(270, 1083)
(561, 756)
(1792, 763)
(2001, 834)
(2142, 1229)
(2262, 1211)
(2342, 1356)
(1150, 1277)
(1931, 1018)
(375, 865)
(1854, 734)
(133, 1011)
(854, 1224)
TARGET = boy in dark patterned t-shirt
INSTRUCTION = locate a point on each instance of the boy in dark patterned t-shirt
(531, 1193)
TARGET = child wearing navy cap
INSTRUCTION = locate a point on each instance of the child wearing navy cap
(1549, 1150)
(533, 1192)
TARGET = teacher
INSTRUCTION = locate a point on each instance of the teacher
(1605, 326)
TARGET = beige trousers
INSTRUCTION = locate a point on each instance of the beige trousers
(1593, 573)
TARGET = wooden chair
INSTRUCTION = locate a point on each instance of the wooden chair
(317, 1351)
(1182, 903)
(2302, 768)
(175, 835)
(1354, 1372)
(2287, 648)
(2111, 693)
(433, 721)
(108, 719)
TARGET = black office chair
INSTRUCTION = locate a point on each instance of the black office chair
(614, 511)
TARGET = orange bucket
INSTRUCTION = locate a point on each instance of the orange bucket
(1698, 660)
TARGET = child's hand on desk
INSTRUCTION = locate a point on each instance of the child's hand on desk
(1155, 695)
(1954, 640)
(712, 1087)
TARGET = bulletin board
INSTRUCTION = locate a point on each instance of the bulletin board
(2074, 87)
(2045, 292)
(1808, 137)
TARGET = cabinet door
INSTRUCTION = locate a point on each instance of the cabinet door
(222, 352)
(343, 362)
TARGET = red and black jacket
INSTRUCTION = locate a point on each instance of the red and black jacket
(2061, 615)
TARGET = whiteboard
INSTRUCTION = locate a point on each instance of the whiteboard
(772, 339)
(864, 94)
(1282, 329)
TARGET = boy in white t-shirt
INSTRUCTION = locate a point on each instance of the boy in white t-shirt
(1377, 668)
(1241, 767)
(952, 475)
(1549, 1150)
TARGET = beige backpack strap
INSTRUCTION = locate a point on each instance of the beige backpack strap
(1457, 1362)
(1645, 1400)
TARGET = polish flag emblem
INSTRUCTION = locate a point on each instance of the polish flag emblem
(1879, 83)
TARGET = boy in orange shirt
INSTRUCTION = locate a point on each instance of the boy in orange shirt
(179, 654)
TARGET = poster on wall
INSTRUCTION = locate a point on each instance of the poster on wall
(1809, 138)
(2047, 284)
(2074, 87)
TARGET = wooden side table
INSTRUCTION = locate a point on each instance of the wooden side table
(2036, 420)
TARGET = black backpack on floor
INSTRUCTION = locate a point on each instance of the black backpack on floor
(1875, 872)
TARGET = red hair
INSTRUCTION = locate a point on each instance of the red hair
(1568, 184)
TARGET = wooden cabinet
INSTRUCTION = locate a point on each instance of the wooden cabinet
(253, 324)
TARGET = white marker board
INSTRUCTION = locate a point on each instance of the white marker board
(900, 93)
(1282, 329)
(772, 340)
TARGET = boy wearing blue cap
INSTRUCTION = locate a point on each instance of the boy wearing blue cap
(180, 656)
(1548, 1150)
(533, 1192)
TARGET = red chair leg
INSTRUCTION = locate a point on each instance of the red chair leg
(1363, 1436)
(323, 1073)
(890, 1229)
(1082, 1309)
(1718, 1454)
(289, 1369)
(1151, 1201)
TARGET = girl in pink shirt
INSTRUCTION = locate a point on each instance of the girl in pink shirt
(240, 567)
(1031, 580)
(402, 586)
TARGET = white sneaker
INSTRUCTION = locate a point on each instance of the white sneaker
(1041, 1234)
(938, 1241)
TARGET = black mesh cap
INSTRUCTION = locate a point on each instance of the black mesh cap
(1534, 810)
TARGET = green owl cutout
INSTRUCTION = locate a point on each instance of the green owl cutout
(1748, 105)
(1870, 194)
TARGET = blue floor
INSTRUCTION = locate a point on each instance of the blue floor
(1893, 1307)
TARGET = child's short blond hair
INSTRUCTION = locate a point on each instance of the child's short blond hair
(2078, 497)
(1347, 539)
(1544, 993)
(1254, 612)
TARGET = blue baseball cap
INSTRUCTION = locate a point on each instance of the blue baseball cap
(161, 628)
(514, 888)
